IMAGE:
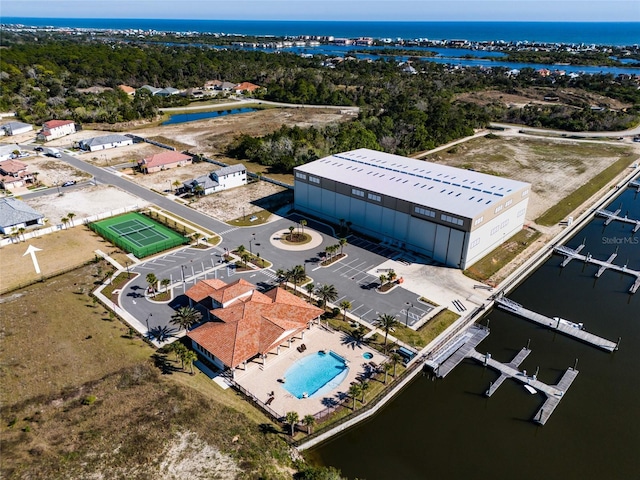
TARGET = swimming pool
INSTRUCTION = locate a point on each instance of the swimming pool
(315, 374)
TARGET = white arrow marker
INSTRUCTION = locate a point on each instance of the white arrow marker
(32, 251)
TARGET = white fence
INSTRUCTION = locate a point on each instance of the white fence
(61, 226)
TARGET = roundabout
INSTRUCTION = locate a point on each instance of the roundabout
(279, 240)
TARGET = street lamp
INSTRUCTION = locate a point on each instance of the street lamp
(182, 270)
(147, 320)
(409, 305)
(252, 239)
(127, 264)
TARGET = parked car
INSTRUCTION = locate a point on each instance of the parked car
(39, 149)
(69, 183)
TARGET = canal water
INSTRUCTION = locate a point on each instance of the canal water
(448, 429)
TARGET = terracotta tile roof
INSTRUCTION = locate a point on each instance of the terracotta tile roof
(164, 158)
(55, 124)
(234, 290)
(12, 166)
(203, 289)
(246, 86)
(127, 89)
(253, 324)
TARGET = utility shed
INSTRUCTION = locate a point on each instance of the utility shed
(452, 215)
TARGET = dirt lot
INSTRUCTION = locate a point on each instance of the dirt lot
(553, 167)
(52, 171)
(83, 202)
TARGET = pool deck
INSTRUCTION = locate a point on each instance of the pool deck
(262, 380)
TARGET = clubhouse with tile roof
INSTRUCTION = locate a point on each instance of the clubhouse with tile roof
(452, 215)
(243, 323)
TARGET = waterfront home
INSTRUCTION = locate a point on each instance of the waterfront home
(246, 87)
(163, 161)
(221, 179)
(244, 323)
(56, 129)
(15, 214)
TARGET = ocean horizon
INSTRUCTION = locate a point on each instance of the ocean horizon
(596, 33)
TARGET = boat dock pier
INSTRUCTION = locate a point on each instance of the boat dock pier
(571, 254)
(455, 352)
(611, 216)
(634, 184)
(565, 327)
(554, 393)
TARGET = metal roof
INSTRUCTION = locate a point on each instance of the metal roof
(15, 212)
(466, 193)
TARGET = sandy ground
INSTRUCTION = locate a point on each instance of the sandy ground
(52, 171)
(83, 202)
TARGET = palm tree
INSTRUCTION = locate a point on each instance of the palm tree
(35, 177)
(328, 251)
(292, 418)
(64, 220)
(21, 231)
(198, 190)
(345, 305)
(303, 223)
(354, 391)
(188, 357)
(165, 283)
(245, 258)
(395, 359)
(326, 293)
(364, 386)
(186, 317)
(179, 349)
(297, 274)
(196, 237)
(281, 275)
(309, 421)
(309, 288)
(177, 184)
(70, 215)
(383, 279)
(391, 276)
(343, 242)
(386, 366)
(152, 280)
(387, 323)
(291, 229)
(240, 250)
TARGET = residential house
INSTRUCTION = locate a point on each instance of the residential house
(213, 85)
(220, 179)
(56, 129)
(246, 87)
(9, 151)
(104, 142)
(15, 128)
(167, 92)
(244, 323)
(163, 161)
(15, 214)
(14, 174)
(127, 89)
(150, 89)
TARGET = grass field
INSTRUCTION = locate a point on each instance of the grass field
(59, 251)
(81, 396)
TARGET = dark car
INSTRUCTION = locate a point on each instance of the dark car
(69, 183)
(39, 149)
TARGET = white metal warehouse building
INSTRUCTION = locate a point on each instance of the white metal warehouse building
(452, 215)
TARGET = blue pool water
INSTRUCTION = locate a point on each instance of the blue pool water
(315, 374)
(192, 117)
(367, 355)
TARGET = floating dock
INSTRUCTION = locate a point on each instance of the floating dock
(571, 254)
(554, 393)
(565, 327)
(613, 216)
(458, 349)
(634, 184)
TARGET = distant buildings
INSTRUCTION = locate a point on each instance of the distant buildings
(218, 180)
(56, 129)
(15, 214)
(163, 161)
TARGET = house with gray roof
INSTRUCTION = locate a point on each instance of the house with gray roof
(167, 92)
(150, 89)
(15, 128)
(15, 214)
(104, 142)
(221, 179)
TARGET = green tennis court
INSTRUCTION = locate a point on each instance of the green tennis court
(137, 234)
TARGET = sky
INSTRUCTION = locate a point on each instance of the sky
(347, 10)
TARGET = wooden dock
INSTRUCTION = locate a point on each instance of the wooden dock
(611, 216)
(572, 254)
(554, 393)
(565, 327)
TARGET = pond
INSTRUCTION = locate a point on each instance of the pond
(194, 116)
